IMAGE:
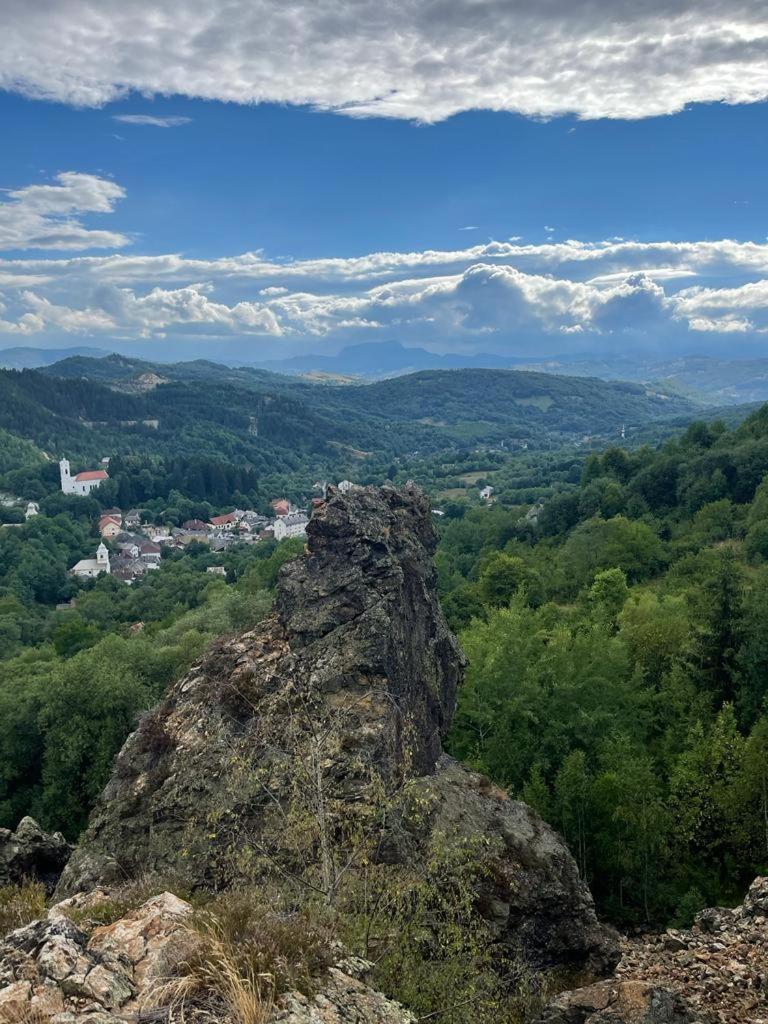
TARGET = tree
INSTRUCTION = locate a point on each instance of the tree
(502, 577)
(611, 543)
(609, 593)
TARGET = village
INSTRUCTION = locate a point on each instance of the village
(131, 546)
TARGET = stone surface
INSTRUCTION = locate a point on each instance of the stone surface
(54, 967)
(620, 1002)
(337, 704)
(343, 999)
(52, 971)
(715, 972)
(30, 853)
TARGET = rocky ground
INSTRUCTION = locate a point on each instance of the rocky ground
(714, 973)
(720, 965)
(57, 970)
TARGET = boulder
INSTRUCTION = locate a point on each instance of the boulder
(30, 853)
(287, 743)
(625, 1002)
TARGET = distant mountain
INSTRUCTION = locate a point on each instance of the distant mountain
(26, 358)
(385, 359)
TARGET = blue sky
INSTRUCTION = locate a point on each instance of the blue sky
(364, 199)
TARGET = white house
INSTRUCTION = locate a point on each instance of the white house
(486, 493)
(81, 483)
(33, 509)
(345, 486)
(291, 526)
(89, 568)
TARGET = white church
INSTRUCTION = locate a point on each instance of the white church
(81, 483)
(89, 568)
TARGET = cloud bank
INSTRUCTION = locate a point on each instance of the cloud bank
(401, 59)
(505, 296)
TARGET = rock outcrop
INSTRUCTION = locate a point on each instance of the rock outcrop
(55, 971)
(29, 853)
(287, 744)
(713, 973)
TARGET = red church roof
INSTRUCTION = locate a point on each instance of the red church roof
(93, 474)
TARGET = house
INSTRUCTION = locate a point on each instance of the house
(281, 506)
(33, 509)
(150, 552)
(345, 486)
(294, 525)
(90, 568)
(216, 570)
(109, 527)
(195, 526)
(133, 517)
(159, 534)
(254, 520)
(486, 493)
(227, 522)
(82, 483)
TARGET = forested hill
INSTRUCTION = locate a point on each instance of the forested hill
(429, 410)
(498, 402)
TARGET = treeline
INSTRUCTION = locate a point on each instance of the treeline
(618, 673)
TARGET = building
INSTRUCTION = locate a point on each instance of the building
(486, 493)
(82, 483)
(226, 522)
(195, 526)
(132, 518)
(294, 525)
(90, 568)
(150, 553)
(32, 509)
(216, 570)
(345, 486)
(281, 506)
(109, 527)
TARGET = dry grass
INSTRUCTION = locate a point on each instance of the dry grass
(17, 1014)
(20, 904)
(246, 954)
(217, 979)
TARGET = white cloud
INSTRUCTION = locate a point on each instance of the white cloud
(497, 293)
(401, 59)
(152, 121)
(45, 216)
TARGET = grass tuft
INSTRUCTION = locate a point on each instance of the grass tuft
(20, 904)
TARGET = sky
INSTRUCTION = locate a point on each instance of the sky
(272, 177)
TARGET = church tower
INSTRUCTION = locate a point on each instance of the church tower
(66, 479)
(102, 559)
